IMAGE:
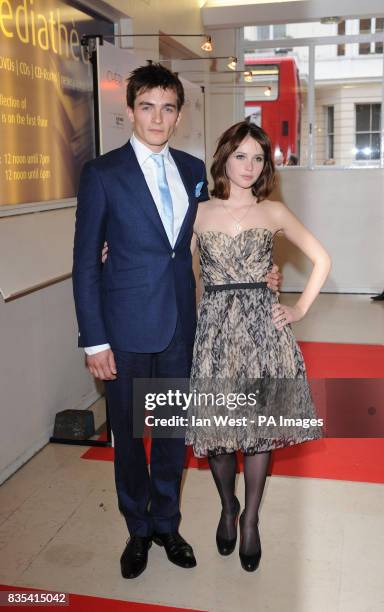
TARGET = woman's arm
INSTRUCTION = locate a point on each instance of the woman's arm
(198, 218)
(300, 236)
(193, 243)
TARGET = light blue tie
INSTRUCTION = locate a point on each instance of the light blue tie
(166, 213)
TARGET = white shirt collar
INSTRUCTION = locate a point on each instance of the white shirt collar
(143, 152)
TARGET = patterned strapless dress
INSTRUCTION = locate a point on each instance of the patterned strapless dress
(239, 350)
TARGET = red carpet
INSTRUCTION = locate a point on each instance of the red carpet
(328, 360)
(355, 459)
(84, 603)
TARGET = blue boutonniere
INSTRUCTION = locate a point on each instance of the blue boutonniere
(198, 189)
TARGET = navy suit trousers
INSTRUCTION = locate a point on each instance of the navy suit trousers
(149, 501)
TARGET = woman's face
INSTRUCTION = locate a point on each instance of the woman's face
(246, 163)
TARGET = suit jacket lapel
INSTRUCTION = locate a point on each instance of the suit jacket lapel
(141, 190)
(189, 187)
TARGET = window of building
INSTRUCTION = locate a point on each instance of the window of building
(265, 32)
(368, 126)
(379, 28)
(341, 32)
(371, 26)
(365, 28)
(262, 32)
(330, 131)
(279, 31)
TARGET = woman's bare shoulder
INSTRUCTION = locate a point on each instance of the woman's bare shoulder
(206, 207)
(203, 205)
(211, 202)
(202, 208)
(200, 214)
(275, 208)
(204, 212)
(274, 213)
(272, 204)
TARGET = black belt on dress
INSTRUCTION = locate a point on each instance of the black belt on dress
(231, 286)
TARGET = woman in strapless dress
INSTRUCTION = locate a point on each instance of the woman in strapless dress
(244, 343)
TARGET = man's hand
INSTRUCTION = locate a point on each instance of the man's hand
(102, 365)
(274, 279)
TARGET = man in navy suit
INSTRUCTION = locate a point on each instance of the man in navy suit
(136, 314)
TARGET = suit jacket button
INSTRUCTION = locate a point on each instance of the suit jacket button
(173, 255)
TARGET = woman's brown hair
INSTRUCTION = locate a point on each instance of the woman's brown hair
(228, 143)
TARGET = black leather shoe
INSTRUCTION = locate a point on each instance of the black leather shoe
(134, 559)
(249, 563)
(225, 546)
(178, 550)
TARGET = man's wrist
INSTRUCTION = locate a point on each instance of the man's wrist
(92, 350)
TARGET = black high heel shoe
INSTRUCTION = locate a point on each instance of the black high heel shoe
(225, 546)
(249, 563)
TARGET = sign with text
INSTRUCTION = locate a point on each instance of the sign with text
(46, 99)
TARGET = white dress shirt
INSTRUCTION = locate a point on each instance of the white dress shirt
(176, 187)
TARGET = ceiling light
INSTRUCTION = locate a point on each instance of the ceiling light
(207, 46)
(232, 63)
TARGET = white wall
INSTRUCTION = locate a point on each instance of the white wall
(344, 209)
(41, 371)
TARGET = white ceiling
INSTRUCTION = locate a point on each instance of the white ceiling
(236, 13)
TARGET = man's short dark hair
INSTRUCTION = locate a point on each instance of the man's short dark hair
(149, 77)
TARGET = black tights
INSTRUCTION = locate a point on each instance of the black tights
(223, 469)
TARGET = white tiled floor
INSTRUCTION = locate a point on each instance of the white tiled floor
(322, 540)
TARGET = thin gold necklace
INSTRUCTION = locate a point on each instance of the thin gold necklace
(237, 227)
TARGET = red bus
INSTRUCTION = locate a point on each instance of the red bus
(273, 101)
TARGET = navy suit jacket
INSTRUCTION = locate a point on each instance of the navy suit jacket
(134, 299)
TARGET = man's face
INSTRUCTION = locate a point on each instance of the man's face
(154, 117)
